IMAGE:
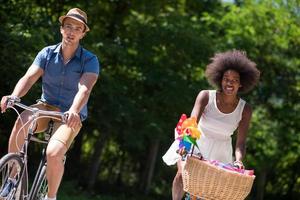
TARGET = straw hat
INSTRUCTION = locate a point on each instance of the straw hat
(77, 14)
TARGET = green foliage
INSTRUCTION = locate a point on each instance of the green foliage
(153, 56)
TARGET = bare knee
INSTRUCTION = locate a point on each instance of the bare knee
(177, 179)
(55, 151)
(177, 187)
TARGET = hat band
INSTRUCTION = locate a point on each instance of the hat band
(77, 16)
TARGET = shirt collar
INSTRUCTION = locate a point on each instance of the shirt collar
(77, 53)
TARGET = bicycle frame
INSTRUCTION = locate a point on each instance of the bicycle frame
(43, 161)
(23, 175)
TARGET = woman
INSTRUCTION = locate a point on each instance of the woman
(220, 112)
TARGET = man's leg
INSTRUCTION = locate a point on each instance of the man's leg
(177, 187)
(56, 150)
(55, 166)
(17, 136)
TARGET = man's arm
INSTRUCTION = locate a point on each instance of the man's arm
(86, 84)
(24, 84)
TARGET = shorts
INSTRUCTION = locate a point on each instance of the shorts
(61, 132)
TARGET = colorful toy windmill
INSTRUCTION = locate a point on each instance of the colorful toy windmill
(188, 133)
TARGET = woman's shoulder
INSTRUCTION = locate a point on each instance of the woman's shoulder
(247, 111)
(204, 93)
(203, 96)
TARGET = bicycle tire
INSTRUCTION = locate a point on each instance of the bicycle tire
(40, 186)
(7, 163)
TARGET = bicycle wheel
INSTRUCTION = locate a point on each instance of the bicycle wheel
(40, 185)
(11, 167)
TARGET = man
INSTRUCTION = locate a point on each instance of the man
(68, 73)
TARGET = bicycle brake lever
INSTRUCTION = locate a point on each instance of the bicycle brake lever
(65, 118)
(11, 100)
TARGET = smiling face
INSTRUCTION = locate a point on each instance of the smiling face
(231, 82)
(72, 31)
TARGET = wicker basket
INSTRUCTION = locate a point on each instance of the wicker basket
(209, 182)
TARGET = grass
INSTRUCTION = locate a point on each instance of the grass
(68, 191)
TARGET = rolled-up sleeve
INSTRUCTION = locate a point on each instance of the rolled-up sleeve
(92, 65)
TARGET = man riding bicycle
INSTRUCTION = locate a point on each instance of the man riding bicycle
(68, 73)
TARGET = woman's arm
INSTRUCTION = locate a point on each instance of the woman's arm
(240, 147)
(200, 103)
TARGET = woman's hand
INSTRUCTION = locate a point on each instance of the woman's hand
(239, 164)
(182, 151)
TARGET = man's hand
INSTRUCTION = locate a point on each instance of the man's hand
(73, 120)
(4, 101)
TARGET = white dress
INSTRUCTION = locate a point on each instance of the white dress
(216, 128)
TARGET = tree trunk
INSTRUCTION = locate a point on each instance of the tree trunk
(150, 166)
(261, 182)
(95, 163)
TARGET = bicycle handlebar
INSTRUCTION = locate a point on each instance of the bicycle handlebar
(36, 111)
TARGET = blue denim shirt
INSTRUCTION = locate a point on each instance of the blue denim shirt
(59, 81)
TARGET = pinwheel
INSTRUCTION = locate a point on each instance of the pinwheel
(188, 133)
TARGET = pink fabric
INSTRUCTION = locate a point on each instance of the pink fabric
(230, 167)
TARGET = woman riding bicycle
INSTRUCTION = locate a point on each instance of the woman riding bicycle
(220, 112)
(68, 73)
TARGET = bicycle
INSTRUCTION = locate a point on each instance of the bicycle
(190, 197)
(13, 166)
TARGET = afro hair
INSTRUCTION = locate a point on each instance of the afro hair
(232, 60)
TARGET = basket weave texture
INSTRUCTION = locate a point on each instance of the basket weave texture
(210, 182)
